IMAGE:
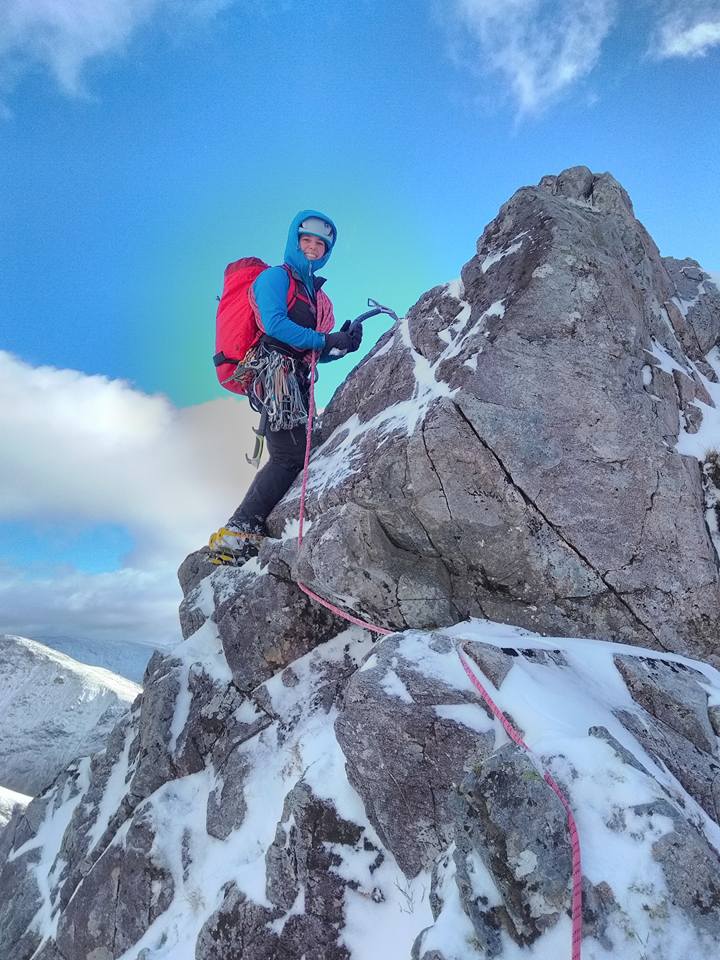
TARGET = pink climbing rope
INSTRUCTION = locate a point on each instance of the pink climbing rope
(576, 903)
(301, 519)
(496, 711)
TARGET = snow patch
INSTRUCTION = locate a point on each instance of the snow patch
(707, 439)
(685, 306)
(9, 799)
(202, 651)
(115, 790)
(469, 715)
(496, 255)
(524, 863)
(392, 684)
(337, 458)
(47, 841)
(496, 309)
(456, 288)
(385, 348)
(544, 270)
(291, 688)
(291, 530)
(665, 360)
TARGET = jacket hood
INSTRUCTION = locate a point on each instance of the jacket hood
(295, 258)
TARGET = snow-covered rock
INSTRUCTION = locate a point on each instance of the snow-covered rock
(528, 444)
(287, 787)
(53, 710)
(8, 800)
(355, 811)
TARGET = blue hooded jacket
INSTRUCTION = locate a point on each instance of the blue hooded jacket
(271, 288)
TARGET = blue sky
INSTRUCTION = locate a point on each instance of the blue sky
(145, 143)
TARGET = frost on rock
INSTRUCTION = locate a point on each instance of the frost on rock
(332, 818)
(525, 460)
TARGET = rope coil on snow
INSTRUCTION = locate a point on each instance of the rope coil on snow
(512, 732)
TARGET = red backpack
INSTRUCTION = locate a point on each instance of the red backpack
(236, 325)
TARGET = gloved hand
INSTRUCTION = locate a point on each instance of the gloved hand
(346, 340)
(355, 330)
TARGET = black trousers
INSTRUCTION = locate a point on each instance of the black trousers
(287, 455)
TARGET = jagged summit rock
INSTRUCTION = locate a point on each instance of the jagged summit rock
(510, 449)
(532, 446)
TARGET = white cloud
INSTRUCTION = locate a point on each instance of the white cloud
(87, 450)
(687, 29)
(128, 606)
(539, 48)
(63, 36)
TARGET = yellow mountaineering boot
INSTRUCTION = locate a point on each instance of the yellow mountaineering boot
(236, 543)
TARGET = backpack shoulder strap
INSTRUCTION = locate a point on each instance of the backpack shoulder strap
(292, 295)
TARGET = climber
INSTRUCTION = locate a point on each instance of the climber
(289, 317)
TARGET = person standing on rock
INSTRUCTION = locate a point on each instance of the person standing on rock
(290, 305)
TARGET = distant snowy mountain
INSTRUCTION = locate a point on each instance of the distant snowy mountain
(8, 799)
(127, 658)
(53, 709)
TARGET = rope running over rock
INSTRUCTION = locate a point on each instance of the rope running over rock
(511, 731)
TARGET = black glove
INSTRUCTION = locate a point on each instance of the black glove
(346, 340)
(355, 330)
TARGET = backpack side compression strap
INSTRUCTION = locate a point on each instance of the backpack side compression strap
(220, 358)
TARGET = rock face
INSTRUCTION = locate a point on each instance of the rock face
(510, 450)
(529, 448)
(53, 710)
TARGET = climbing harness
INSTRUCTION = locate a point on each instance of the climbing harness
(279, 386)
(512, 732)
(277, 389)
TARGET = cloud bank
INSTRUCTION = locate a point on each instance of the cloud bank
(128, 606)
(87, 450)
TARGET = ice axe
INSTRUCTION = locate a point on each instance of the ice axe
(376, 310)
(259, 432)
